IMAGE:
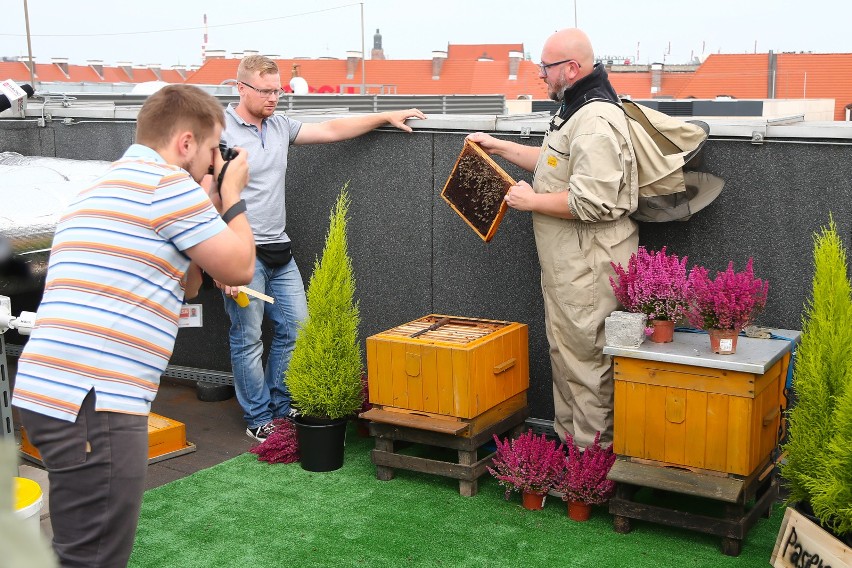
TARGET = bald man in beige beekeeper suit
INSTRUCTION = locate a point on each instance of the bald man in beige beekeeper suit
(584, 188)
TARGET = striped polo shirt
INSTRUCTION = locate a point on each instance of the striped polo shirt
(109, 314)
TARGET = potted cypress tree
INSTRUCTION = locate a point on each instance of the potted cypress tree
(324, 376)
(818, 468)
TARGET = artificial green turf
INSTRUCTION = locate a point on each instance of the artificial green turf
(247, 513)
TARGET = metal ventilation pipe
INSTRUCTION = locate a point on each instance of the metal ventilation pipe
(771, 75)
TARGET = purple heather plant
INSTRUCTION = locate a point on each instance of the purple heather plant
(584, 478)
(528, 463)
(655, 284)
(730, 301)
(282, 446)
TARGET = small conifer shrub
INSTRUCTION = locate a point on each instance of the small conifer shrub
(818, 467)
(324, 376)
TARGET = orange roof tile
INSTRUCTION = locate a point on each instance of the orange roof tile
(80, 73)
(171, 76)
(50, 72)
(410, 77)
(15, 70)
(115, 75)
(743, 76)
(816, 76)
(496, 51)
(798, 75)
(638, 84)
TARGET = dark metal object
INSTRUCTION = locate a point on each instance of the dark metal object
(433, 327)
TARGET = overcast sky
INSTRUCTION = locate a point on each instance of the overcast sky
(171, 32)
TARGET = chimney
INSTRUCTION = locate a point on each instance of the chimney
(352, 59)
(248, 52)
(237, 54)
(62, 63)
(656, 77)
(515, 58)
(180, 69)
(272, 56)
(438, 58)
(97, 66)
(214, 54)
(155, 68)
(25, 59)
(127, 67)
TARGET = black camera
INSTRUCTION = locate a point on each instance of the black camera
(228, 153)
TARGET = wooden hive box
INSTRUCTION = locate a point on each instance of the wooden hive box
(166, 438)
(461, 369)
(699, 417)
(475, 190)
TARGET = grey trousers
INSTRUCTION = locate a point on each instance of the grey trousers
(96, 469)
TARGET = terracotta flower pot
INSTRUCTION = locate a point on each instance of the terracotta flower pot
(533, 501)
(663, 331)
(723, 341)
(579, 511)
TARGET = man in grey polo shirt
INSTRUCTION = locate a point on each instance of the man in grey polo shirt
(267, 137)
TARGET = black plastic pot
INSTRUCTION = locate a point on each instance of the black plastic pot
(807, 511)
(321, 443)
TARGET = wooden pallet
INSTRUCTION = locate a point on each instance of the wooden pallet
(392, 429)
(735, 492)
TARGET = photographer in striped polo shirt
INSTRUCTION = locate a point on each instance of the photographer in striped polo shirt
(125, 254)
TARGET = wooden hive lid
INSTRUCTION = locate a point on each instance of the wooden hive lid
(447, 329)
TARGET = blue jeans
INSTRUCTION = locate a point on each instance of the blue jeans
(263, 394)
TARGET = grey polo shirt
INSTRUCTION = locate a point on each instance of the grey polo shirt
(267, 158)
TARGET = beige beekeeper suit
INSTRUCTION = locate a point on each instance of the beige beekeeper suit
(591, 157)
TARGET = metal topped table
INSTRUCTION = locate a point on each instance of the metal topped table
(699, 425)
(752, 356)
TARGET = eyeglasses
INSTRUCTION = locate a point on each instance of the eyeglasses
(264, 92)
(543, 66)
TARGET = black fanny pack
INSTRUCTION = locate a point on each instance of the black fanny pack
(274, 255)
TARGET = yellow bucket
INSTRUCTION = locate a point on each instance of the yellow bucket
(28, 502)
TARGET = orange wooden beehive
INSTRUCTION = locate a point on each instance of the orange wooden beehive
(166, 438)
(475, 190)
(713, 419)
(461, 369)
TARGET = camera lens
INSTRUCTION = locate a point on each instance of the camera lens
(227, 152)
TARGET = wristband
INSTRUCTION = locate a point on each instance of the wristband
(234, 210)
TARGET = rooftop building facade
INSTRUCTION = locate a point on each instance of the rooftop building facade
(489, 69)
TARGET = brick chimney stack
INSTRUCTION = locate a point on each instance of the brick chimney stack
(155, 68)
(127, 67)
(438, 58)
(656, 77)
(62, 63)
(515, 58)
(353, 58)
(97, 66)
